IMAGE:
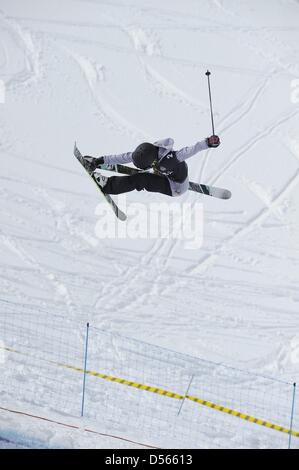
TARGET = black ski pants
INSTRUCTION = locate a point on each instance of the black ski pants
(139, 181)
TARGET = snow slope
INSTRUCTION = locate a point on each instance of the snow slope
(110, 74)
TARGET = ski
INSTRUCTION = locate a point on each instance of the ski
(119, 214)
(213, 191)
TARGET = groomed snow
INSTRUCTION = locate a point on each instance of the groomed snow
(111, 74)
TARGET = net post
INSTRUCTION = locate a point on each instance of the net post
(85, 364)
(292, 414)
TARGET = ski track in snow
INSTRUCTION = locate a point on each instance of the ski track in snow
(256, 221)
(158, 246)
(110, 115)
(143, 292)
(27, 44)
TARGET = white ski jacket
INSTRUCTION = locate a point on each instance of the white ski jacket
(165, 146)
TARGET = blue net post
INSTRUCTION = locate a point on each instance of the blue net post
(292, 415)
(85, 364)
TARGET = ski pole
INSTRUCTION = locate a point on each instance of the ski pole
(211, 109)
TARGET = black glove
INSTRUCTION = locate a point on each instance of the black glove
(93, 162)
(213, 141)
(100, 161)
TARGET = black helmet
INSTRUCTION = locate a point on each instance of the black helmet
(144, 155)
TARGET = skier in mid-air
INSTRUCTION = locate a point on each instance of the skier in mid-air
(170, 171)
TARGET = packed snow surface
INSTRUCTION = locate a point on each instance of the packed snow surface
(112, 74)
